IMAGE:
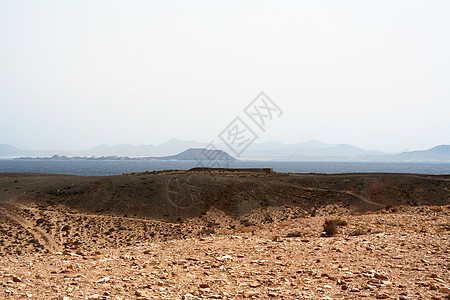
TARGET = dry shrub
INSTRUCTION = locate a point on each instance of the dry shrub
(329, 228)
(247, 223)
(340, 222)
(294, 234)
(268, 218)
(208, 231)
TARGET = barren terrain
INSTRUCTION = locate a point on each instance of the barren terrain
(223, 235)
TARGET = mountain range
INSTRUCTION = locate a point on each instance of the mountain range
(312, 150)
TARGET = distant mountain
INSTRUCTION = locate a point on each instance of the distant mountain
(171, 147)
(438, 153)
(199, 154)
(307, 150)
(11, 151)
(312, 150)
(8, 150)
(271, 146)
(176, 146)
(121, 150)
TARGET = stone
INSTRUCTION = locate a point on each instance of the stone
(104, 279)
(249, 294)
(224, 257)
(254, 284)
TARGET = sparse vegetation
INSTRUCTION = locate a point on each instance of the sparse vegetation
(268, 219)
(247, 223)
(329, 228)
(208, 231)
(294, 234)
(340, 222)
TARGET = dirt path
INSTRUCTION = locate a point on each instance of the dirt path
(80, 214)
(360, 197)
(40, 235)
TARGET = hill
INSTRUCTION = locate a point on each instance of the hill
(438, 153)
(91, 206)
(221, 234)
(199, 154)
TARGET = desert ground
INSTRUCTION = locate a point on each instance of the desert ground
(221, 234)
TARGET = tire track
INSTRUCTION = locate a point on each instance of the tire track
(40, 235)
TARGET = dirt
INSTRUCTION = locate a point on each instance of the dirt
(224, 235)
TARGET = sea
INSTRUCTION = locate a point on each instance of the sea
(119, 167)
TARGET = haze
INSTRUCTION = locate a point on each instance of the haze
(76, 74)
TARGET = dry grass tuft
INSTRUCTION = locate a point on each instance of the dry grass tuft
(294, 234)
(340, 222)
(329, 228)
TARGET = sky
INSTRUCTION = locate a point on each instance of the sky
(76, 74)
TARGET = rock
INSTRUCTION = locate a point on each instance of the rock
(16, 278)
(104, 279)
(444, 290)
(225, 257)
(382, 296)
(140, 293)
(254, 284)
(80, 252)
(380, 276)
(249, 294)
(94, 296)
(203, 285)
(354, 290)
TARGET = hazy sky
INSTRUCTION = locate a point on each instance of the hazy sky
(76, 74)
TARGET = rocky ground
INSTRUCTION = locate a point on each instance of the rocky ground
(395, 253)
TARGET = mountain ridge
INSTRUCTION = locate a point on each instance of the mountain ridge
(309, 150)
